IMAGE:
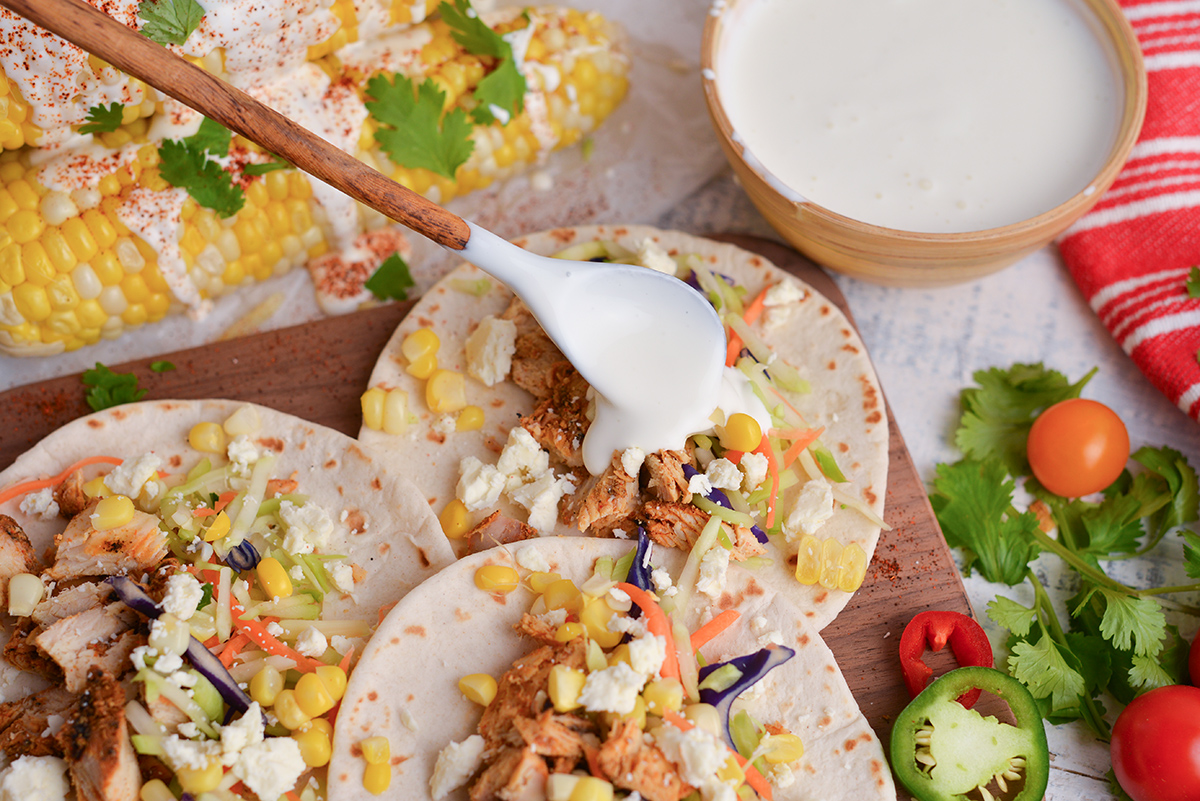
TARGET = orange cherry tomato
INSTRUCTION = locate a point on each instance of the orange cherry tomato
(1077, 447)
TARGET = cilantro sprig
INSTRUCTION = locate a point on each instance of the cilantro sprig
(190, 164)
(103, 119)
(391, 280)
(412, 130)
(108, 389)
(502, 89)
(1116, 637)
(169, 22)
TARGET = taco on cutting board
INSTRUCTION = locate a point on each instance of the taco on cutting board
(589, 661)
(189, 555)
(488, 418)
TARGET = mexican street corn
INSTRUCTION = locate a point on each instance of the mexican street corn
(124, 230)
(49, 87)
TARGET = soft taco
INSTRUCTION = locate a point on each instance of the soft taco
(523, 694)
(802, 488)
(193, 555)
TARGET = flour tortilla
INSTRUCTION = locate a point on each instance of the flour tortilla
(405, 686)
(816, 339)
(388, 529)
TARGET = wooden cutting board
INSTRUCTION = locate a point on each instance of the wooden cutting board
(317, 371)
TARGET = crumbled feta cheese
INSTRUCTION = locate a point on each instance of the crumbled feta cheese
(343, 644)
(647, 654)
(712, 572)
(758, 624)
(35, 777)
(183, 595)
(754, 465)
(633, 626)
(456, 764)
(270, 768)
(241, 733)
(662, 580)
(138, 656)
(189, 730)
(554, 618)
(489, 350)
(40, 504)
(522, 459)
(782, 776)
(541, 498)
(184, 679)
(297, 573)
(242, 454)
(652, 256)
(128, 477)
(632, 460)
(445, 425)
(480, 484)
(723, 474)
(274, 629)
(783, 293)
(699, 485)
(613, 689)
(342, 576)
(312, 642)
(812, 508)
(619, 600)
(193, 754)
(698, 753)
(168, 663)
(307, 527)
(531, 558)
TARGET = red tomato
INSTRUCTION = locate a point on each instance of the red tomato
(1194, 661)
(1156, 745)
(1077, 447)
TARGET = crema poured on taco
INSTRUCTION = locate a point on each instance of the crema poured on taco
(789, 480)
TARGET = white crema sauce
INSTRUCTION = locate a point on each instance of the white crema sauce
(934, 116)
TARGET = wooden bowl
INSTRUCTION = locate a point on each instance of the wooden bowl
(906, 258)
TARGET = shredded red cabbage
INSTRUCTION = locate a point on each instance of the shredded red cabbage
(721, 499)
(753, 667)
(243, 556)
(639, 571)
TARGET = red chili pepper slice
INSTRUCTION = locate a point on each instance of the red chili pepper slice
(935, 628)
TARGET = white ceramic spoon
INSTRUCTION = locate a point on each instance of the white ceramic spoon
(650, 345)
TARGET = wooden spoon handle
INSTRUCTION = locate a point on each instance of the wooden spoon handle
(124, 48)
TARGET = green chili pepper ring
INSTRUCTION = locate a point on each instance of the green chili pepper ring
(941, 750)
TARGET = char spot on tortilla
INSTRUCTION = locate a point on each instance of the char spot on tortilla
(843, 447)
(753, 588)
(175, 460)
(825, 721)
(809, 767)
(846, 333)
(855, 467)
(272, 443)
(618, 231)
(461, 615)
(416, 631)
(95, 424)
(410, 697)
(876, 766)
(384, 548)
(435, 436)
(830, 669)
(354, 450)
(825, 311)
(497, 403)
(425, 322)
(832, 364)
(821, 598)
(870, 392)
(802, 639)
(396, 760)
(120, 414)
(810, 613)
(435, 308)
(376, 484)
(849, 348)
(563, 235)
(355, 521)
(372, 696)
(756, 261)
(340, 491)
(862, 738)
(869, 496)
(499, 598)
(791, 560)
(332, 463)
(728, 601)
(874, 417)
(303, 445)
(423, 557)
(345, 777)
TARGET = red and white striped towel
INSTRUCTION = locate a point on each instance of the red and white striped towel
(1132, 253)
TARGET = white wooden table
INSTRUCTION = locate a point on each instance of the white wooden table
(927, 343)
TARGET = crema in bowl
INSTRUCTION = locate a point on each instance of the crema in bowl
(931, 116)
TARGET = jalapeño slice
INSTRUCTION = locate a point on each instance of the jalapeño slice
(942, 750)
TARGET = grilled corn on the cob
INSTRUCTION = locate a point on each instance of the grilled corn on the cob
(48, 86)
(95, 241)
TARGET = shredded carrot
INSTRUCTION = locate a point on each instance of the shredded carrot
(224, 498)
(212, 642)
(800, 443)
(753, 777)
(291, 795)
(383, 610)
(786, 402)
(345, 663)
(657, 624)
(734, 456)
(714, 627)
(765, 449)
(233, 647)
(751, 314)
(202, 512)
(256, 630)
(26, 487)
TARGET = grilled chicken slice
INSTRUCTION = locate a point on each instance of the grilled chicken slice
(535, 354)
(496, 529)
(633, 765)
(28, 725)
(70, 601)
(559, 422)
(137, 546)
(554, 735)
(517, 775)
(517, 692)
(101, 637)
(95, 741)
(667, 481)
(604, 502)
(678, 525)
(21, 652)
(16, 556)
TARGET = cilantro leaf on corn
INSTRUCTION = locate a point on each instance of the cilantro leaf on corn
(412, 130)
(503, 89)
(103, 119)
(169, 21)
(186, 163)
(391, 280)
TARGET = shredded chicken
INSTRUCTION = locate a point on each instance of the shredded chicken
(667, 481)
(21, 652)
(16, 556)
(560, 421)
(95, 740)
(517, 775)
(631, 764)
(535, 354)
(70, 497)
(555, 735)
(537, 628)
(603, 502)
(678, 525)
(517, 692)
(139, 545)
(496, 529)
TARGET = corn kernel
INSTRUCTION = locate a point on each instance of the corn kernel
(288, 711)
(377, 778)
(563, 594)
(808, 560)
(590, 788)
(705, 716)
(203, 780)
(372, 408)
(112, 512)
(783, 748)
(376, 750)
(321, 724)
(207, 437)
(831, 552)
(315, 747)
(169, 635)
(395, 412)
(564, 686)
(538, 582)
(334, 679)
(276, 582)
(422, 366)
(663, 694)
(155, 790)
(265, 685)
(312, 696)
(445, 391)
(422, 342)
(569, 631)
(741, 432)
(218, 528)
(731, 772)
(25, 591)
(852, 567)
(469, 419)
(595, 616)
(497, 578)
(478, 687)
(455, 519)
(96, 488)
